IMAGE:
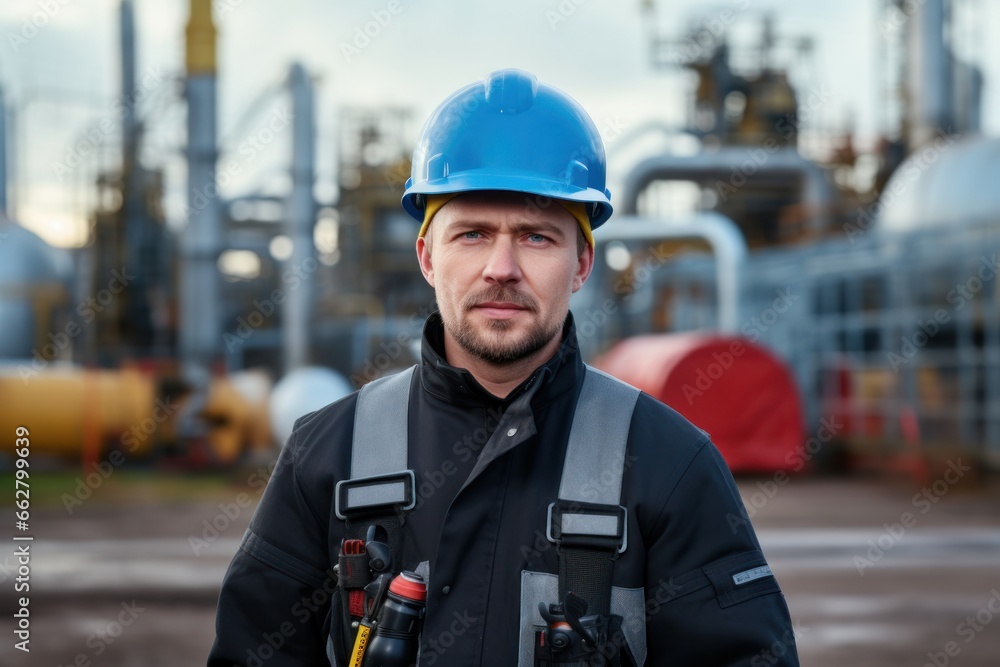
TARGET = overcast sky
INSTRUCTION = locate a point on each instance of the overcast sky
(62, 79)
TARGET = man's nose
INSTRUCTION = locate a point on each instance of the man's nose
(502, 264)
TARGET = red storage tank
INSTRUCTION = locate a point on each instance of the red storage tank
(737, 391)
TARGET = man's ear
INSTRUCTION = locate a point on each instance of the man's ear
(424, 259)
(584, 265)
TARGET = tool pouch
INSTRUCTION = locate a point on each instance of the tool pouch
(347, 605)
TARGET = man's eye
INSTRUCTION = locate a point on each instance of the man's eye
(471, 235)
(536, 238)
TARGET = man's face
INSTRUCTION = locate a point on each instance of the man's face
(503, 272)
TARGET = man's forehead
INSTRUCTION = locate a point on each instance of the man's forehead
(496, 206)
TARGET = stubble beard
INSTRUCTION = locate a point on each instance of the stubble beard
(495, 345)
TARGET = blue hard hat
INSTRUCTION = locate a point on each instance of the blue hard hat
(510, 132)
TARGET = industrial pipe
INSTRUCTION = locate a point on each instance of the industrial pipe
(718, 231)
(300, 218)
(709, 166)
(200, 321)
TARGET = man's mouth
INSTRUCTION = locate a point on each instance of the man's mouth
(499, 309)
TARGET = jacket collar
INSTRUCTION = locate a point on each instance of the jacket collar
(458, 386)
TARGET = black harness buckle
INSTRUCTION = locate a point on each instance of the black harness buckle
(355, 496)
(587, 525)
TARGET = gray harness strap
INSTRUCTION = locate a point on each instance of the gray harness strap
(588, 523)
(380, 489)
(587, 520)
(595, 458)
(592, 469)
(597, 439)
(379, 476)
(380, 418)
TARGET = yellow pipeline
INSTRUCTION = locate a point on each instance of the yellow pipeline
(71, 410)
(76, 414)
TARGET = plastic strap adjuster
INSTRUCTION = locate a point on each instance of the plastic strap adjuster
(589, 525)
(353, 496)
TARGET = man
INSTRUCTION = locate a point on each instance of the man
(508, 180)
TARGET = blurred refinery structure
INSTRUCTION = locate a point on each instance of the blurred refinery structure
(880, 316)
(886, 309)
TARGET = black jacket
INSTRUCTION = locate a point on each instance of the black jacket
(480, 522)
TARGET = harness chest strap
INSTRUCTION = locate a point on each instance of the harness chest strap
(379, 476)
(381, 488)
(587, 522)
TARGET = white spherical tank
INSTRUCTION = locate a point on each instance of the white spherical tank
(27, 265)
(302, 391)
(949, 182)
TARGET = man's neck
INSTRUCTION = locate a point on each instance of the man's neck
(499, 380)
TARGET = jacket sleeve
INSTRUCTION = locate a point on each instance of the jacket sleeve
(276, 593)
(711, 598)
